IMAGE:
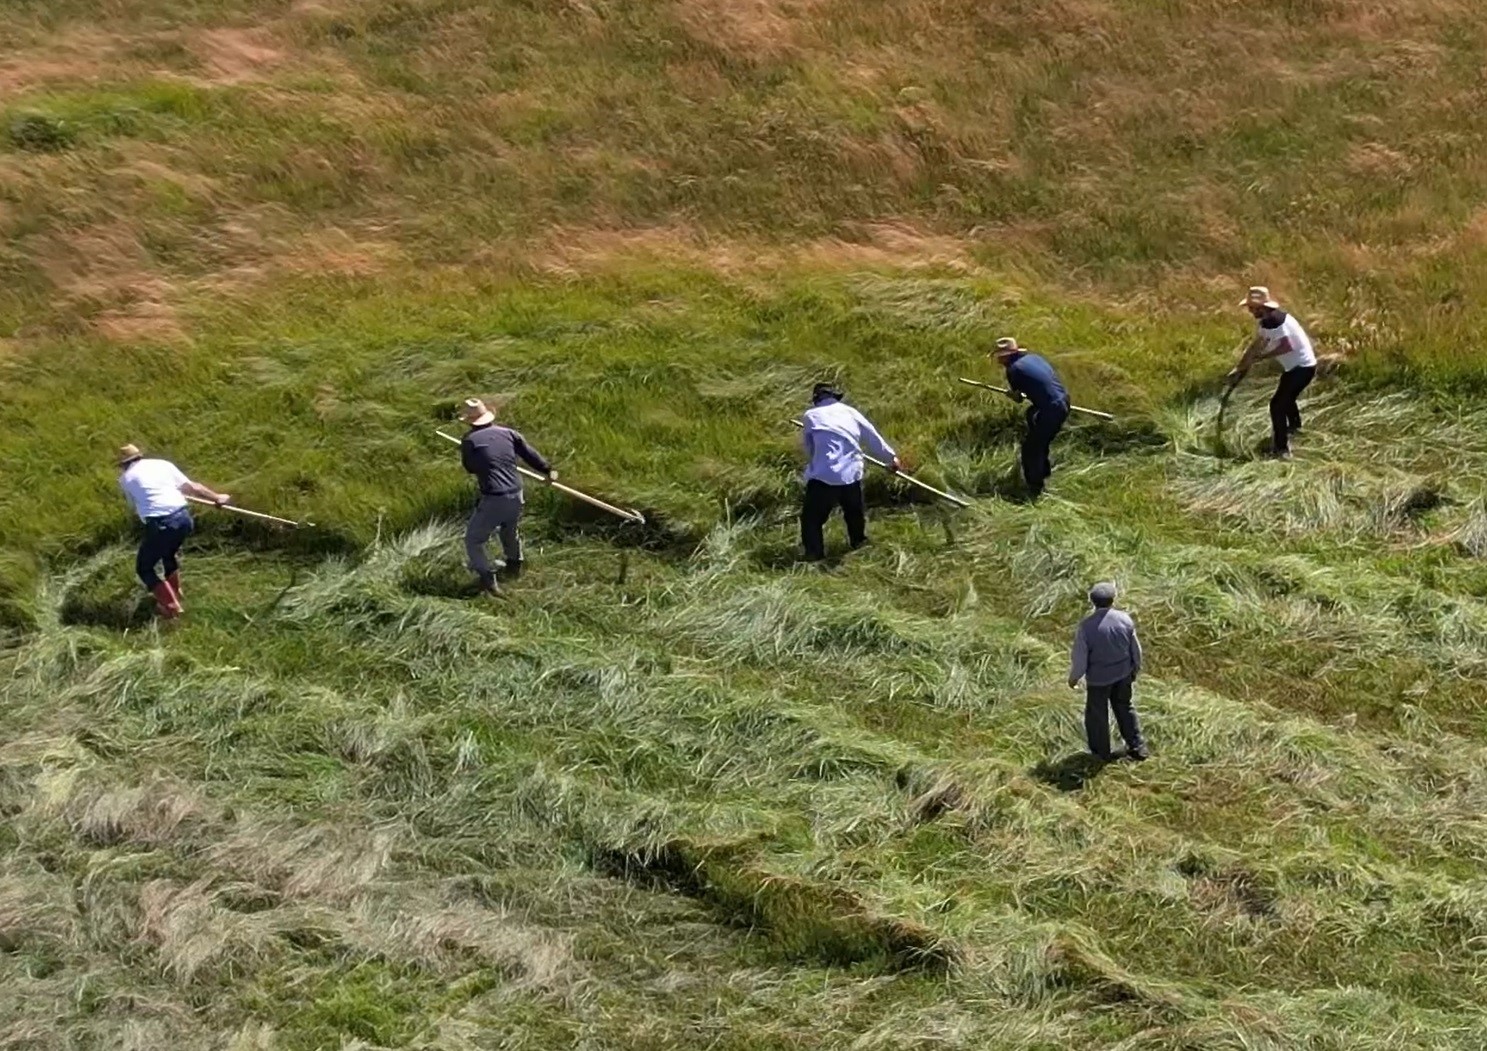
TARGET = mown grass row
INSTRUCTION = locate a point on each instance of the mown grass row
(645, 785)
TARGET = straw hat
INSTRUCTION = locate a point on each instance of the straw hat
(476, 414)
(128, 454)
(1007, 345)
(1259, 296)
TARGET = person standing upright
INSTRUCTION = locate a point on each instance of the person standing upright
(1278, 335)
(1031, 378)
(833, 434)
(157, 490)
(490, 453)
(1107, 656)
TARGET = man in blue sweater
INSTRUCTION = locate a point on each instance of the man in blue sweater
(1031, 378)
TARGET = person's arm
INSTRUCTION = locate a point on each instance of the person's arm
(807, 439)
(1078, 657)
(1282, 346)
(532, 457)
(1135, 653)
(1252, 354)
(875, 443)
(467, 456)
(1013, 390)
(200, 491)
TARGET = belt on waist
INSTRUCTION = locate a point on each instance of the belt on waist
(167, 516)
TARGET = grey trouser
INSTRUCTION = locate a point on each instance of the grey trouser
(492, 514)
(1099, 702)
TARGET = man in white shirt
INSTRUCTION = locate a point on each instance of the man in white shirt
(157, 491)
(833, 434)
(1279, 336)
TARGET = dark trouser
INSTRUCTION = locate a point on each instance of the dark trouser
(1285, 417)
(494, 514)
(1043, 426)
(820, 500)
(1098, 703)
(164, 536)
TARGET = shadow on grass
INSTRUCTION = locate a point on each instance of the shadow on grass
(113, 611)
(1070, 773)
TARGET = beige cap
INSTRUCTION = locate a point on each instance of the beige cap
(1005, 344)
(128, 454)
(1259, 296)
(475, 413)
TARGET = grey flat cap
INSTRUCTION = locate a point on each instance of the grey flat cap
(1102, 594)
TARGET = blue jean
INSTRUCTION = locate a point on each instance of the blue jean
(164, 536)
(1043, 426)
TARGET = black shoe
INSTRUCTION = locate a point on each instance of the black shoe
(512, 570)
(1139, 755)
(488, 585)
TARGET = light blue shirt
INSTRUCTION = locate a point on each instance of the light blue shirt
(833, 435)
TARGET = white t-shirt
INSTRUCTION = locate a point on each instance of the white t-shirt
(153, 487)
(1301, 353)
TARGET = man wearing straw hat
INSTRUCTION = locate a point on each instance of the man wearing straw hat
(833, 434)
(490, 453)
(1031, 378)
(1107, 656)
(157, 491)
(1278, 335)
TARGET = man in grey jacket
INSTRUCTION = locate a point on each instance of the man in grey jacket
(491, 453)
(1107, 656)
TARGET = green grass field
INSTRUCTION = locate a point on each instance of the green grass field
(676, 790)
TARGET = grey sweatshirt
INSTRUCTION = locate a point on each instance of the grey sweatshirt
(1106, 649)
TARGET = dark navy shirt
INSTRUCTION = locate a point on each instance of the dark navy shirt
(1033, 377)
(490, 452)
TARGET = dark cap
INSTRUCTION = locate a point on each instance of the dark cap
(821, 391)
(1102, 595)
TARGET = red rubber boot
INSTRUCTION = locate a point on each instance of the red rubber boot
(166, 605)
(174, 580)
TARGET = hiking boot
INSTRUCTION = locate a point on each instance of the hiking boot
(1139, 755)
(512, 570)
(487, 585)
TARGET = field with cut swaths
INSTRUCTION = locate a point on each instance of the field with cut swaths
(676, 790)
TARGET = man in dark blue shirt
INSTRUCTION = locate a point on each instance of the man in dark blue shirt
(490, 453)
(1031, 378)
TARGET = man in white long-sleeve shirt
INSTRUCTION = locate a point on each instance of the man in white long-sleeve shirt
(1107, 656)
(833, 435)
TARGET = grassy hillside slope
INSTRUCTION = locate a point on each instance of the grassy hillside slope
(676, 791)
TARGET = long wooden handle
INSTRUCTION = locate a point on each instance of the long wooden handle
(958, 501)
(249, 514)
(1072, 408)
(633, 516)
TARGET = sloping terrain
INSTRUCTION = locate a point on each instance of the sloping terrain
(676, 790)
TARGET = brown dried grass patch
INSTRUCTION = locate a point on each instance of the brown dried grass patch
(78, 55)
(571, 252)
(749, 28)
(103, 274)
(236, 56)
